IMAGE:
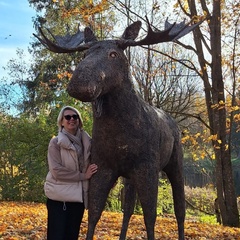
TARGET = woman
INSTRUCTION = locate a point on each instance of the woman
(66, 185)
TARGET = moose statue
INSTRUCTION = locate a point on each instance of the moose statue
(130, 138)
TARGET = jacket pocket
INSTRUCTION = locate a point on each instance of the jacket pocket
(64, 192)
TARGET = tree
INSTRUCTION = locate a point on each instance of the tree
(23, 157)
(52, 72)
(165, 83)
(211, 73)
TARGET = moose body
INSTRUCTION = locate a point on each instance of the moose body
(130, 138)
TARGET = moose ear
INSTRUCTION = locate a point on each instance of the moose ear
(131, 32)
(89, 35)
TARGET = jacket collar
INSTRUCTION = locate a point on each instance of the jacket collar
(64, 142)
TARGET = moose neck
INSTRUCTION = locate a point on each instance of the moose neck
(117, 102)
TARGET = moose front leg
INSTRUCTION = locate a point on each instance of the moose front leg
(128, 206)
(100, 186)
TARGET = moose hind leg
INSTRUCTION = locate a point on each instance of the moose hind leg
(147, 189)
(128, 206)
(175, 177)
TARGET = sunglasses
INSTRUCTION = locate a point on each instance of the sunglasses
(74, 116)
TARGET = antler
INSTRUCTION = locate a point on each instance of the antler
(172, 32)
(82, 40)
(69, 43)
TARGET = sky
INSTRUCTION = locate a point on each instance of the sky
(16, 29)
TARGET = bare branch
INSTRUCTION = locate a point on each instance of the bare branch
(182, 8)
(183, 61)
(198, 117)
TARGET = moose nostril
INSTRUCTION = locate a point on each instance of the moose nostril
(102, 75)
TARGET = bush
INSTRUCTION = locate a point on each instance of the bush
(114, 203)
(210, 219)
(164, 203)
(165, 199)
(200, 199)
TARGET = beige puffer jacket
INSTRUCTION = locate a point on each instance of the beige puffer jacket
(64, 181)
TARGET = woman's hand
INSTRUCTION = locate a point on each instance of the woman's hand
(92, 168)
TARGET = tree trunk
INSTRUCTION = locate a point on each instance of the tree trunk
(224, 176)
(215, 101)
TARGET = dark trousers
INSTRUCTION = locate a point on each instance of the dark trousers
(64, 220)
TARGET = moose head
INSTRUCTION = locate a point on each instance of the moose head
(85, 40)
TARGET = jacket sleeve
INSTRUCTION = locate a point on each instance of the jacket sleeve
(58, 171)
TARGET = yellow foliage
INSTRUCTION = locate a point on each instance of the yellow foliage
(185, 139)
(85, 9)
(214, 106)
(236, 117)
(235, 108)
(197, 135)
(213, 137)
(203, 155)
(195, 157)
(176, 5)
(29, 221)
(64, 75)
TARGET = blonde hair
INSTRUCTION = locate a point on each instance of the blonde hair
(60, 117)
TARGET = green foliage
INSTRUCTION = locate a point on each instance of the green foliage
(23, 158)
(210, 219)
(165, 200)
(51, 72)
(114, 202)
(199, 201)
(23, 153)
(138, 208)
(164, 204)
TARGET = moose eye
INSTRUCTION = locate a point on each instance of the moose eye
(113, 54)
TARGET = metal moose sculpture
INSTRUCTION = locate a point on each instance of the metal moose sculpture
(130, 138)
